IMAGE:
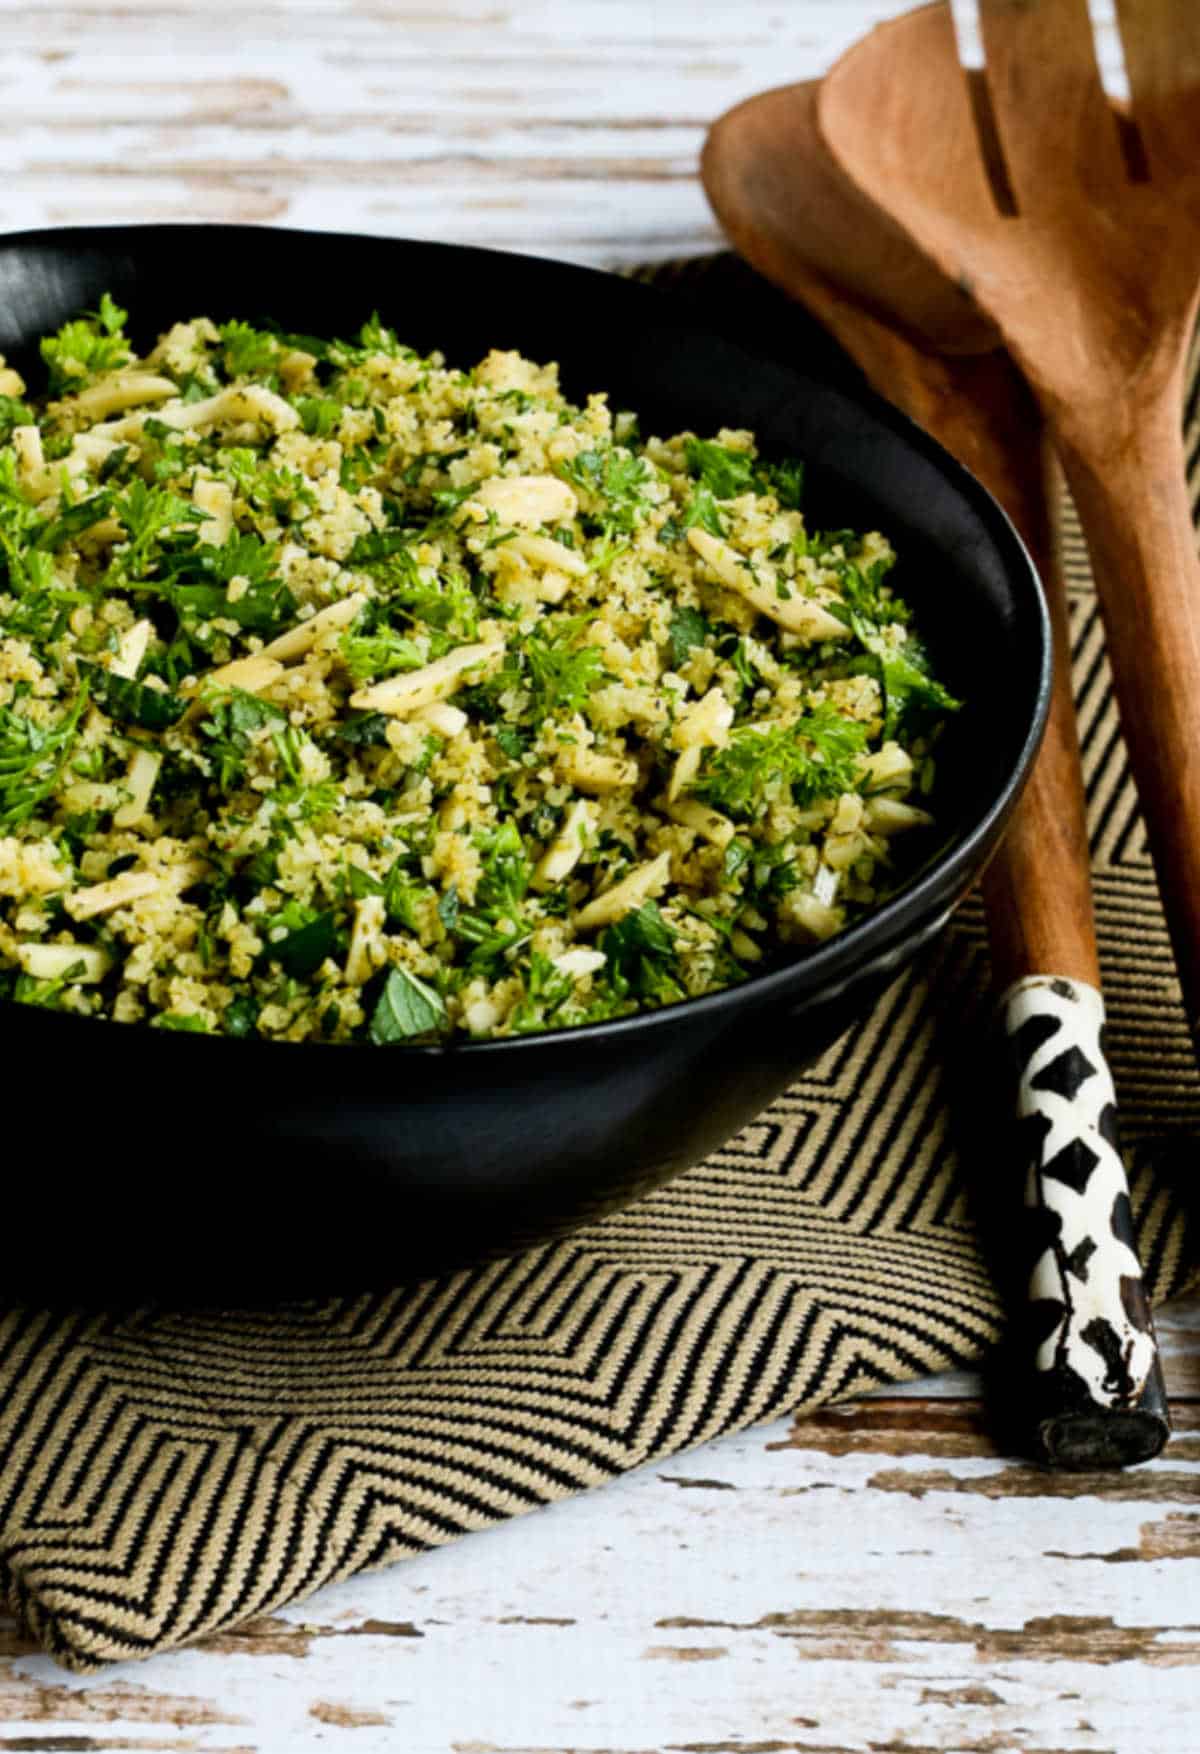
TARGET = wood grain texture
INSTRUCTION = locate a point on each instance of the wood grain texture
(872, 1581)
(573, 131)
(1120, 256)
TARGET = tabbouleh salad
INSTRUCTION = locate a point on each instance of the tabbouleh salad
(346, 695)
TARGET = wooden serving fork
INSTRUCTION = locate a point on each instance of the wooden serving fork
(1098, 1397)
(1076, 229)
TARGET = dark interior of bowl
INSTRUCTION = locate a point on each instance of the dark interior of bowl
(257, 1166)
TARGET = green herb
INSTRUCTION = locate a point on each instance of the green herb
(403, 896)
(32, 757)
(737, 855)
(443, 601)
(817, 757)
(113, 463)
(375, 337)
(133, 703)
(385, 653)
(700, 511)
(773, 873)
(86, 347)
(188, 1023)
(743, 665)
(406, 1009)
(278, 491)
(41, 615)
(448, 908)
(513, 740)
(363, 729)
(642, 956)
(147, 514)
(306, 946)
(377, 545)
(547, 990)
(18, 521)
(197, 577)
(559, 672)
(727, 474)
(241, 1016)
(506, 870)
(320, 416)
(13, 413)
(616, 477)
(46, 994)
(265, 607)
(72, 521)
(249, 352)
(786, 481)
(914, 698)
(234, 716)
(688, 629)
(496, 926)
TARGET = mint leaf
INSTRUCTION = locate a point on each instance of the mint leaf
(407, 1008)
(132, 703)
(303, 951)
(689, 628)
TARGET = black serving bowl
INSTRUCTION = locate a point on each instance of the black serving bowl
(146, 1160)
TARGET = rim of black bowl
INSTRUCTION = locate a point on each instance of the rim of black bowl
(940, 881)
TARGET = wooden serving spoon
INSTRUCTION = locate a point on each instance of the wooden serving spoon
(792, 216)
(1094, 283)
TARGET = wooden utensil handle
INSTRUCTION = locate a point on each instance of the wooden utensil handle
(1037, 890)
(1133, 502)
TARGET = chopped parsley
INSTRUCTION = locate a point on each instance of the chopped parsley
(817, 757)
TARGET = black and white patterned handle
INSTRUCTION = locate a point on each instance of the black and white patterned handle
(1101, 1401)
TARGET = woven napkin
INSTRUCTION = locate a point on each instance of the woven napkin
(165, 1473)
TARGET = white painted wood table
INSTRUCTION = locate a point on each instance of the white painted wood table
(872, 1581)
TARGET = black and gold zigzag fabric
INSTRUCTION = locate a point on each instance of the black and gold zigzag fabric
(165, 1473)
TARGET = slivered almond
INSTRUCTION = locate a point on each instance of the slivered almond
(544, 551)
(366, 935)
(812, 917)
(705, 723)
(27, 443)
(566, 849)
(525, 500)
(134, 642)
(595, 773)
(140, 780)
(50, 962)
(709, 824)
(643, 882)
(91, 795)
(892, 816)
(760, 586)
(102, 898)
(448, 721)
(304, 636)
(402, 695)
(216, 499)
(254, 675)
(112, 395)
(579, 962)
